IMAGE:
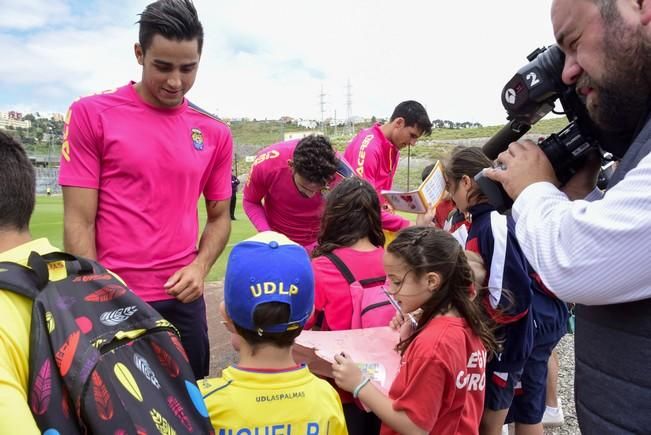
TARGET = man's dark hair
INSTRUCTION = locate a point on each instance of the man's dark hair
(17, 185)
(269, 314)
(172, 19)
(315, 159)
(414, 114)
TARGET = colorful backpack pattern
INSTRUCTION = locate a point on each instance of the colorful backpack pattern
(371, 307)
(101, 359)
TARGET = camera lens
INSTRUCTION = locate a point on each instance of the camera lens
(566, 151)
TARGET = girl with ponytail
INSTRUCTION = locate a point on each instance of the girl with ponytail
(440, 386)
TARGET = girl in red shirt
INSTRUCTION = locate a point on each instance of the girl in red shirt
(440, 386)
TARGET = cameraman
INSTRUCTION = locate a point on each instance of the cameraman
(593, 248)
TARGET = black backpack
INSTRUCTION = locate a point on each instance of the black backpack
(101, 359)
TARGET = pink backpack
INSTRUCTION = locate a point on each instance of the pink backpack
(370, 305)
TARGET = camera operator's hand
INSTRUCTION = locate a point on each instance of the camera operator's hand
(524, 163)
(585, 179)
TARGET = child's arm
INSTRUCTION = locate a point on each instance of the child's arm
(348, 376)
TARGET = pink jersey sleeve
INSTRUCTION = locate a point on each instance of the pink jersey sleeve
(80, 152)
(390, 221)
(393, 222)
(254, 191)
(218, 186)
(372, 160)
(255, 213)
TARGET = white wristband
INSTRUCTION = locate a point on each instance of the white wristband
(359, 387)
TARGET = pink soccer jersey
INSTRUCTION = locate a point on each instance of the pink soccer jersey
(374, 158)
(150, 166)
(272, 201)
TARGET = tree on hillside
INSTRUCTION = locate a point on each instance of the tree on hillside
(453, 125)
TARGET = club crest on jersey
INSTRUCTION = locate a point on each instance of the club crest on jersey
(197, 139)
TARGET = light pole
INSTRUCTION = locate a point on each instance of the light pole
(49, 146)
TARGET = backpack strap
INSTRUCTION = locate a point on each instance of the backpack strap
(74, 264)
(378, 280)
(19, 279)
(39, 269)
(29, 281)
(341, 266)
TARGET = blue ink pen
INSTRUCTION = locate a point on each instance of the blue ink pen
(396, 305)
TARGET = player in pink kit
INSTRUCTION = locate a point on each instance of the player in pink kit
(284, 190)
(375, 151)
(134, 163)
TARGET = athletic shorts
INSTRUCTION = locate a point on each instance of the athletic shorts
(501, 387)
(528, 404)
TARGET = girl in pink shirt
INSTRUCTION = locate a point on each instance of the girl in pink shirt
(351, 228)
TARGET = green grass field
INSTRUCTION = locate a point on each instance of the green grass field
(47, 221)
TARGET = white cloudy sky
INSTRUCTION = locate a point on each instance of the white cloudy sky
(265, 59)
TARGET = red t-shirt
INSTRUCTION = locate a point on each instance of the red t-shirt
(331, 291)
(444, 219)
(442, 379)
(443, 210)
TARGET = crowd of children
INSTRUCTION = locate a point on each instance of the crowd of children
(475, 358)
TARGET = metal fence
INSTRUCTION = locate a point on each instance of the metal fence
(47, 177)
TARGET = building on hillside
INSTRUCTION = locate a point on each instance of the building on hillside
(5, 123)
(307, 123)
(297, 135)
(54, 116)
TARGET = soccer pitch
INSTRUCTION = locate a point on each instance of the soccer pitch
(47, 221)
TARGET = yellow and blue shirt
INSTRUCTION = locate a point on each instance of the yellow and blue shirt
(291, 401)
(15, 320)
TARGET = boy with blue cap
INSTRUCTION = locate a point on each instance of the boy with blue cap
(268, 297)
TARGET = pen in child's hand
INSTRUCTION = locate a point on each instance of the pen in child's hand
(396, 305)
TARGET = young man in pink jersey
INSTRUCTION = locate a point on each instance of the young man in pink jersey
(375, 151)
(283, 192)
(134, 163)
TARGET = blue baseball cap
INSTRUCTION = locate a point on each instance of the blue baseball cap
(268, 267)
